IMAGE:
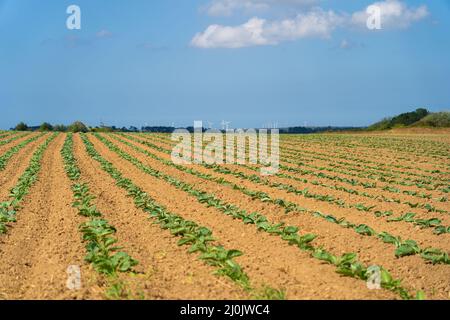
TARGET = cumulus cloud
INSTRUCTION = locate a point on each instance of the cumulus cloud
(229, 7)
(315, 23)
(257, 32)
(394, 14)
(245, 35)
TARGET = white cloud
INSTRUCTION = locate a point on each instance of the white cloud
(217, 36)
(229, 7)
(394, 14)
(315, 23)
(257, 32)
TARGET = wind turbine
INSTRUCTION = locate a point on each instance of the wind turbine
(225, 125)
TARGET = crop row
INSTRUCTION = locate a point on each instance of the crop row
(4, 158)
(199, 238)
(4, 134)
(376, 172)
(98, 234)
(383, 177)
(367, 185)
(362, 158)
(409, 146)
(341, 203)
(355, 182)
(14, 138)
(427, 184)
(300, 142)
(429, 254)
(347, 264)
(424, 223)
(8, 209)
(382, 198)
(386, 168)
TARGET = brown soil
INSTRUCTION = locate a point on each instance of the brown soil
(45, 240)
(381, 156)
(11, 144)
(278, 265)
(349, 198)
(40, 246)
(167, 270)
(16, 166)
(402, 173)
(334, 238)
(303, 148)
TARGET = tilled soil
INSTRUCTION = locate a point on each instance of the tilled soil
(37, 249)
(378, 191)
(44, 242)
(277, 265)
(378, 223)
(417, 273)
(11, 144)
(16, 166)
(167, 270)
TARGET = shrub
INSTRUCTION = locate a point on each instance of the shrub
(439, 119)
(400, 121)
(46, 127)
(60, 128)
(78, 126)
(21, 127)
(382, 125)
(103, 129)
(406, 119)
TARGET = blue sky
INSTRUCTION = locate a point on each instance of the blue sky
(246, 61)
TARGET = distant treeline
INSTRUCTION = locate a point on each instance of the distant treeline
(78, 126)
(419, 118)
(282, 130)
(293, 130)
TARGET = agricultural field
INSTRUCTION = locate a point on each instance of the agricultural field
(138, 226)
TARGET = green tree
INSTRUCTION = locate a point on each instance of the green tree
(401, 120)
(78, 126)
(438, 120)
(21, 127)
(406, 119)
(60, 128)
(46, 127)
